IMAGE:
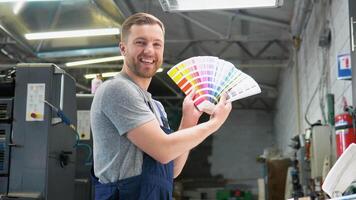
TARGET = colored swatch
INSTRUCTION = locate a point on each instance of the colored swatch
(210, 77)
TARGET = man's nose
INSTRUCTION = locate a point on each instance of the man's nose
(149, 48)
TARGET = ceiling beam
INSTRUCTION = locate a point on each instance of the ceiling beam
(268, 91)
(264, 48)
(6, 41)
(184, 49)
(229, 26)
(80, 86)
(225, 48)
(125, 7)
(238, 38)
(52, 25)
(201, 25)
(18, 41)
(205, 50)
(282, 46)
(115, 20)
(7, 54)
(79, 52)
(259, 63)
(263, 63)
(263, 20)
(191, 35)
(254, 18)
(93, 66)
(7, 66)
(115, 49)
(244, 49)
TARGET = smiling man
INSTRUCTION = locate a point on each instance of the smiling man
(136, 155)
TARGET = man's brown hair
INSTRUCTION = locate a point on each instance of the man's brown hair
(138, 19)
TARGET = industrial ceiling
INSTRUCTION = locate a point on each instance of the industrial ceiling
(257, 41)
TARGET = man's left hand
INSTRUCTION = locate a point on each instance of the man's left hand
(190, 114)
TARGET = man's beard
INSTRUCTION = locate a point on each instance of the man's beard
(135, 68)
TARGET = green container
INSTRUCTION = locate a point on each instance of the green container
(223, 194)
(248, 196)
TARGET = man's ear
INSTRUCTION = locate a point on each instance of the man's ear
(122, 48)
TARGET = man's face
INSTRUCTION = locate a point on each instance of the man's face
(143, 49)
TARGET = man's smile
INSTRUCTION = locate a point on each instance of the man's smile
(147, 60)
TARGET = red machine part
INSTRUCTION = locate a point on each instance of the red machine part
(345, 132)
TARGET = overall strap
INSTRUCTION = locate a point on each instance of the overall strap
(161, 116)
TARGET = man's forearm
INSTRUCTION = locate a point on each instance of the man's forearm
(180, 161)
(163, 147)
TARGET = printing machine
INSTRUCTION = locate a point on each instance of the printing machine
(37, 140)
(83, 182)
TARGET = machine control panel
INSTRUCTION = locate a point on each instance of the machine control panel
(35, 101)
(83, 124)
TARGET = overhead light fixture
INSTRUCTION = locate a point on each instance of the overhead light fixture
(15, 1)
(93, 61)
(74, 33)
(194, 5)
(110, 74)
(20, 4)
(104, 75)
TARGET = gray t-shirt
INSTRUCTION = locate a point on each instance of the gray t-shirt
(119, 105)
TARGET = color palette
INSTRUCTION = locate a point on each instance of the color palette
(210, 77)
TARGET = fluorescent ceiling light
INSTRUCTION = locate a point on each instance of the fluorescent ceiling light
(18, 6)
(93, 61)
(14, 1)
(110, 74)
(190, 5)
(74, 33)
(104, 75)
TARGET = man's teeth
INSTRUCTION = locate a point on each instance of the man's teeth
(147, 60)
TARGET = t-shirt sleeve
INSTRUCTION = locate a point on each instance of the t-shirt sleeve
(125, 107)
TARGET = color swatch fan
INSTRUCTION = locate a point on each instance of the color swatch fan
(210, 77)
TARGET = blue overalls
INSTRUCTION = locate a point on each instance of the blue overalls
(154, 183)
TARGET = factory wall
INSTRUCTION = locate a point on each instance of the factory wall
(238, 143)
(313, 72)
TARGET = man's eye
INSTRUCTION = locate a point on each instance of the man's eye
(140, 42)
(157, 45)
